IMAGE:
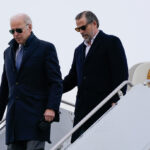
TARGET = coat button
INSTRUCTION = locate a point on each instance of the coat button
(17, 97)
(17, 83)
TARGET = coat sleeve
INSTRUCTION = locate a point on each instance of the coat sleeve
(3, 94)
(70, 81)
(54, 79)
(118, 63)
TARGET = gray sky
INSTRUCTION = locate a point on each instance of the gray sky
(54, 21)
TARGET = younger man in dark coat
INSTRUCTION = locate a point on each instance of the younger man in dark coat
(99, 66)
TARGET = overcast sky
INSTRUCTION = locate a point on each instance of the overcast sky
(53, 21)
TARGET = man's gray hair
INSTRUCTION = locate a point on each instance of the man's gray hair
(25, 17)
(90, 16)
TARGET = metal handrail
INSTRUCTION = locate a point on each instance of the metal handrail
(3, 124)
(2, 121)
(2, 127)
(91, 113)
(68, 103)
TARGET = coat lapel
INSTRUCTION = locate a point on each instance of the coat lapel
(93, 46)
(29, 49)
(12, 58)
(83, 54)
(12, 54)
(27, 52)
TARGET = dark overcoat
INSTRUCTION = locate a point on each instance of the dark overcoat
(103, 69)
(31, 90)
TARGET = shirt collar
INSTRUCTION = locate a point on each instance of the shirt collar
(29, 39)
(13, 41)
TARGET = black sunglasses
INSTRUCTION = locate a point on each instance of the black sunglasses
(82, 27)
(18, 30)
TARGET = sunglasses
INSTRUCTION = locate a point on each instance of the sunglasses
(82, 27)
(18, 30)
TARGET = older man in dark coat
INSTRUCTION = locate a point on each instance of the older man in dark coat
(31, 87)
(98, 67)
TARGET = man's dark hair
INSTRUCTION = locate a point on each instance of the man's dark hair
(90, 16)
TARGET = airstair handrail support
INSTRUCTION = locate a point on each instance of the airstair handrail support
(2, 121)
(91, 113)
(68, 103)
(2, 124)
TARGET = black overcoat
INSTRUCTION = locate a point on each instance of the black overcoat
(31, 90)
(103, 69)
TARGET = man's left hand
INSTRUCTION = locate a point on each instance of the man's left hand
(49, 115)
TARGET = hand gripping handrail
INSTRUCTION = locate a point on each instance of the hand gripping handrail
(91, 113)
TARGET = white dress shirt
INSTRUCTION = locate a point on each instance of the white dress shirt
(88, 46)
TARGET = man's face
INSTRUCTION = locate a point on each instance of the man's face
(87, 31)
(24, 31)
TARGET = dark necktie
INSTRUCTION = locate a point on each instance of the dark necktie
(19, 58)
(83, 53)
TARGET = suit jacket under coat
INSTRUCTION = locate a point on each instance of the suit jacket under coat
(103, 69)
(28, 92)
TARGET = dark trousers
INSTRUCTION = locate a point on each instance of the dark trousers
(27, 145)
